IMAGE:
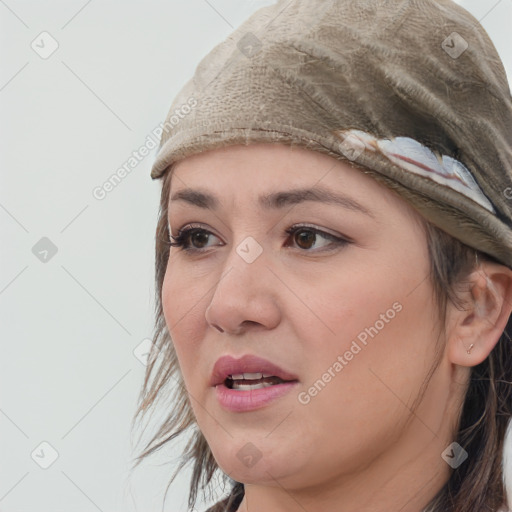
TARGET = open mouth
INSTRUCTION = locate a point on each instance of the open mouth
(250, 383)
(243, 382)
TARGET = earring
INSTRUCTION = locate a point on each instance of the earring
(470, 348)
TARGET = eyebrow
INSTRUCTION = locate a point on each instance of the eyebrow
(276, 200)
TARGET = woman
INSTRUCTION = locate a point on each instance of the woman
(334, 262)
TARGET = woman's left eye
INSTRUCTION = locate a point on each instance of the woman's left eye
(304, 237)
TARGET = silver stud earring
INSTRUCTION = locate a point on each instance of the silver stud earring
(470, 348)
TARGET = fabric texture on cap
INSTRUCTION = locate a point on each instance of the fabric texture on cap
(322, 74)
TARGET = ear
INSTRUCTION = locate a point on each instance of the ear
(475, 331)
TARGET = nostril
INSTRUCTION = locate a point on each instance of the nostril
(217, 327)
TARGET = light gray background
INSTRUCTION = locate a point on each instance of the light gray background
(69, 325)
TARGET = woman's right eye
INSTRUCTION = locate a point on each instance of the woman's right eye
(198, 237)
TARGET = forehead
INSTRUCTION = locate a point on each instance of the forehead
(257, 171)
(263, 166)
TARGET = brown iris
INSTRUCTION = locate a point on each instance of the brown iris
(199, 236)
(305, 236)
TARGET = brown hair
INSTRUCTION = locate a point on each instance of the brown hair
(473, 487)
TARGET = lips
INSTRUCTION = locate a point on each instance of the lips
(227, 365)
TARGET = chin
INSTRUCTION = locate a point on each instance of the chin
(245, 462)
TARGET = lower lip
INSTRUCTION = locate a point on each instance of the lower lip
(239, 401)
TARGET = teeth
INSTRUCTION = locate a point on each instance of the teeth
(237, 376)
(250, 376)
(260, 385)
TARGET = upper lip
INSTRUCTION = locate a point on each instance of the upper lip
(228, 365)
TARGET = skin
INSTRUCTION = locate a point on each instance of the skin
(371, 439)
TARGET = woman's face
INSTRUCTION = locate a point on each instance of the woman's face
(343, 303)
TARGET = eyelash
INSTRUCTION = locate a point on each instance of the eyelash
(180, 240)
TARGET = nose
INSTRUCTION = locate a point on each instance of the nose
(244, 297)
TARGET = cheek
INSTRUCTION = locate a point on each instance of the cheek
(372, 347)
(365, 396)
(184, 312)
(183, 303)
